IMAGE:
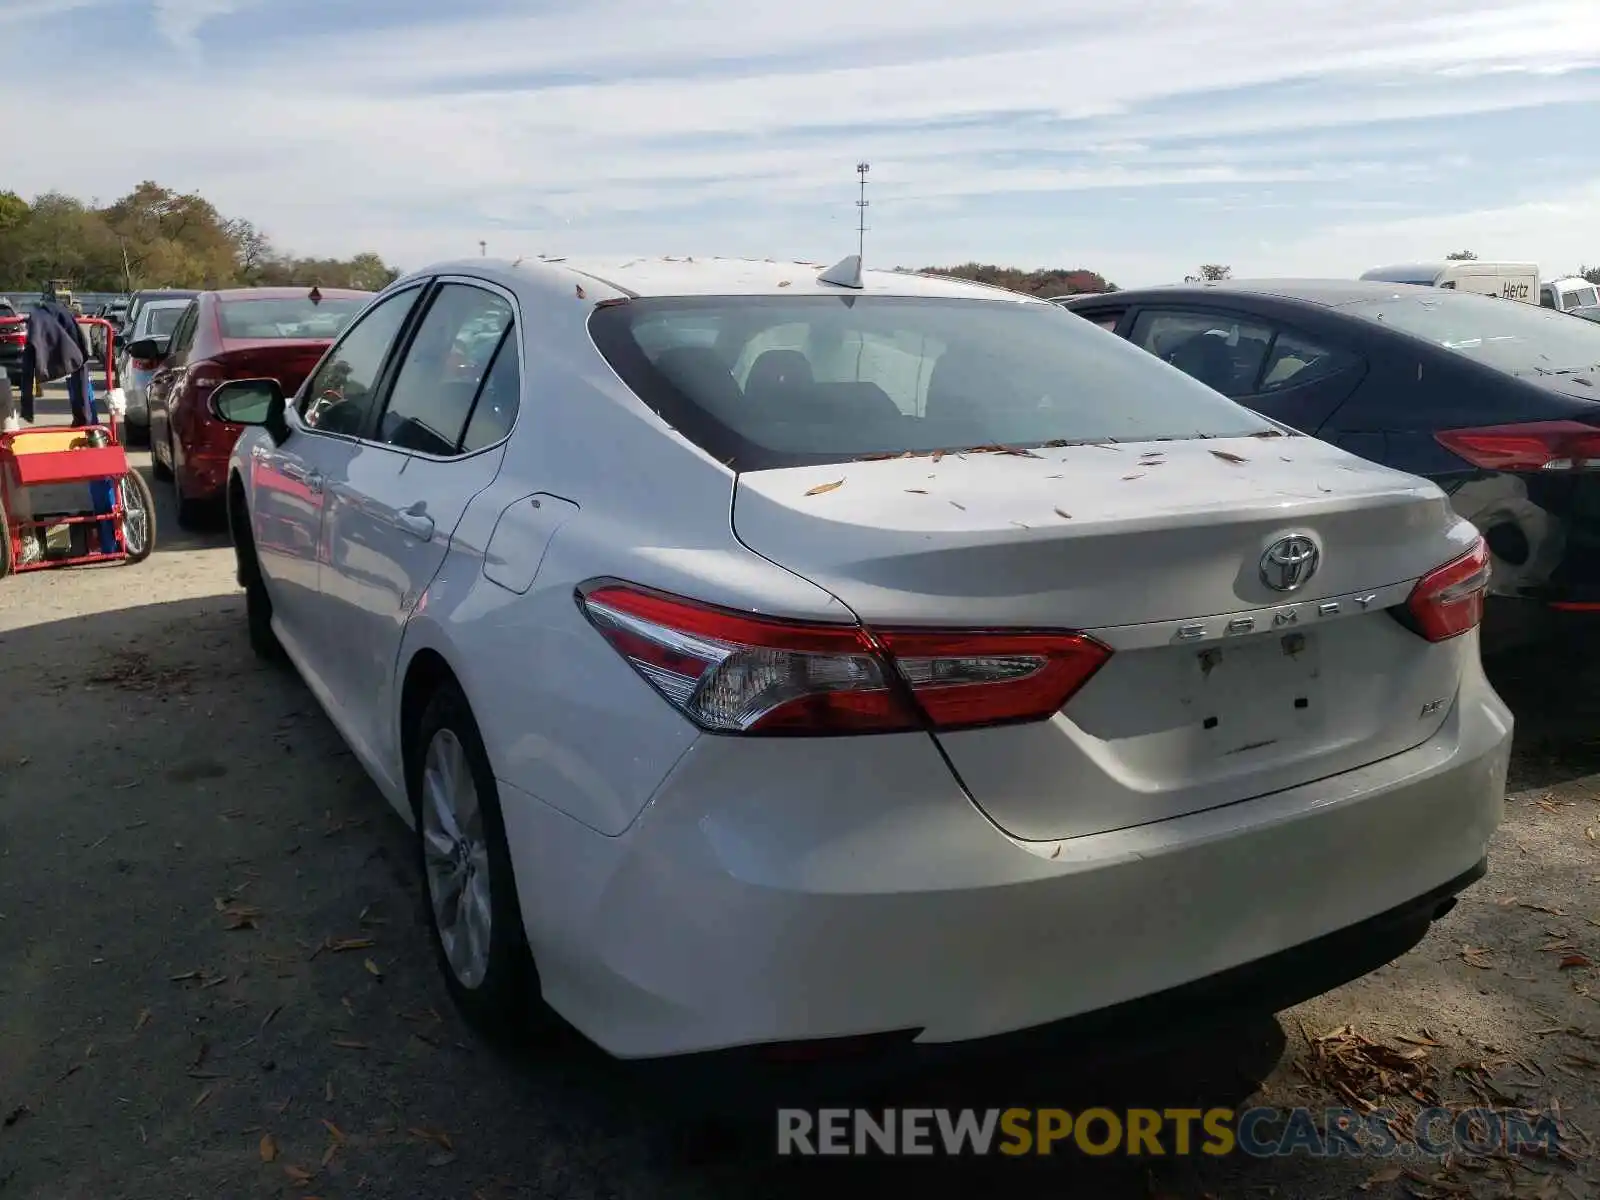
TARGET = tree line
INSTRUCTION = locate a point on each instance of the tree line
(155, 237)
(1050, 281)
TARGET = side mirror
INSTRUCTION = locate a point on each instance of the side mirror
(148, 349)
(252, 402)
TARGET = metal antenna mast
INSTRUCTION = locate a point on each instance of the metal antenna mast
(862, 205)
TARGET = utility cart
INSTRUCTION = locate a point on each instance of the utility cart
(68, 496)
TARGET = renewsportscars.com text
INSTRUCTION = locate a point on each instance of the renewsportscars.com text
(1257, 1132)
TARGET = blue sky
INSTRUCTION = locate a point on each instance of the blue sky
(1320, 137)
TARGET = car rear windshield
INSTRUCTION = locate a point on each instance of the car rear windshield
(761, 382)
(1523, 339)
(162, 321)
(290, 317)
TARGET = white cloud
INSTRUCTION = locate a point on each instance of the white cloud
(625, 119)
(180, 21)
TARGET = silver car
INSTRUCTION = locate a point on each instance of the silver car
(765, 654)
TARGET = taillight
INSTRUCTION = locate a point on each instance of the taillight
(732, 672)
(1448, 600)
(1534, 446)
(146, 364)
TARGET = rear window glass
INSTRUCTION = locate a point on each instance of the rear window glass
(160, 322)
(1523, 339)
(761, 382)
(290, 317)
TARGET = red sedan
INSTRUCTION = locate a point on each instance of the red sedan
(241, 333)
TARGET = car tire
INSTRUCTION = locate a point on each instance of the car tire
(192, 514)
(160, 470)
(490, 974)
(264, 642)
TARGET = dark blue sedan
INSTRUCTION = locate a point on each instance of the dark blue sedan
(1496, 401)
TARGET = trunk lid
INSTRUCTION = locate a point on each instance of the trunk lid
(1220, 687)
(289, 362)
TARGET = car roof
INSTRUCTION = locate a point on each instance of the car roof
(634, 277)
(228, 295)
(1328, 293)
(154, 293)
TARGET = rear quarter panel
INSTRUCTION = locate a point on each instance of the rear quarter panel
(564, 718)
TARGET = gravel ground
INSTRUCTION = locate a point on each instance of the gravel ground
(214, 981)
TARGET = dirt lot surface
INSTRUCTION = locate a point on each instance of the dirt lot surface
(214, 981)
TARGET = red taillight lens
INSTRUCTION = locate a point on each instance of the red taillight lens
(146, 364)
(730, 672)
(1535, 446)
(1448, 600)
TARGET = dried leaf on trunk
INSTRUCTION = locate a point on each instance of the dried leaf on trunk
(821, 488)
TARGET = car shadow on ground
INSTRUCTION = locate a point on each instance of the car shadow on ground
(216, 961)
(210, 839)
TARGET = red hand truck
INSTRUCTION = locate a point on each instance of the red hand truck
(52, 456)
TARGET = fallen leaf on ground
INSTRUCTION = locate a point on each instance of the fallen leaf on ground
(1475, 957)
(343, 945)
(962, 507)
(142, 1021)
(826, 487)
(15, 1115)
(334, 1130)
(1544, 908)
(442, 1159)
(372, 969)
(347, 1044)
(269, 1148)
(1575, 960)
(1063, 514)
(201, 1098)
(437, 1136)
(1125, 478)
(918, 491)
(1228, 458)
(1387, 1175)
(299, 1176)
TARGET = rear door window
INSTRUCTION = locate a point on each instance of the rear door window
(1223, 351)
(1295, 361)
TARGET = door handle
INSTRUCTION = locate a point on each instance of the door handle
(310, 480)
(415, 522)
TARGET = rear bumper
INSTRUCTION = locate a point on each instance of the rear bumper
(778, 891)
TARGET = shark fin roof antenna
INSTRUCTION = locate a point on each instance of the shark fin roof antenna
(847, 271)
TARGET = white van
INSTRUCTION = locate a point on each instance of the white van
(1572, 292)
(1509, 281)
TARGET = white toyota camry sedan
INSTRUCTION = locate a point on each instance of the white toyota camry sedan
(766, 654)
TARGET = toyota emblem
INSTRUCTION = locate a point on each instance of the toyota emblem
(1289, 562)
